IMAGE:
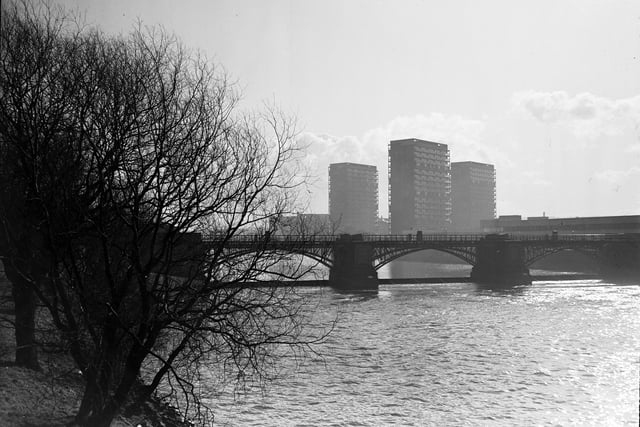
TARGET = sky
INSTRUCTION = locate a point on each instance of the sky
(548, 90)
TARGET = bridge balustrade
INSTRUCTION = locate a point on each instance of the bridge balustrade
(355, 258)
(436, 237)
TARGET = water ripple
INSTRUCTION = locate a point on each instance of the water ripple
(549, 354)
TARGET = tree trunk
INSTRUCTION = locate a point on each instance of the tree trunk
(104, 417)
(25, 304)
(100, 403)
(97, 416)
(98, 407)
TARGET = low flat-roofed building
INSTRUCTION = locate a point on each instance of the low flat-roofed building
(577, 225)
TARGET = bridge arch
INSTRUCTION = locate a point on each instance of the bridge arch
(322, 257)
(385, 256)
(536, 254)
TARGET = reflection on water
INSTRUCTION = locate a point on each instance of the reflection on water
(499, 289)
(552, 353)
(354, 296)
(408, 269)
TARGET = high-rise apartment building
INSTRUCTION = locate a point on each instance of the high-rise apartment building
(419, 186)
(473, 195)
(353, 197)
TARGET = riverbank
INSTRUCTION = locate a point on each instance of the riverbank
(51, 397)
(412, 280)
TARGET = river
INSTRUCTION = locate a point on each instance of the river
(551, 353)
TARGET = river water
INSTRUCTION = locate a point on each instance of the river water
(552, 353)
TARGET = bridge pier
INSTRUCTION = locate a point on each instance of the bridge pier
(352, 268)
(620, 260)
(500, 262)
(497, 259)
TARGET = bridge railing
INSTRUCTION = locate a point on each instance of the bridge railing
(248, 239)
(423, 238)
(571, 237)
(256, 238)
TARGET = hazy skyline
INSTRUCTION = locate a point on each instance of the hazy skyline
(547, 91)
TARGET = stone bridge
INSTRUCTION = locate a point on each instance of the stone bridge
(353, 260)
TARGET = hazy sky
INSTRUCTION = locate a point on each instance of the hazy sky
(547, 90)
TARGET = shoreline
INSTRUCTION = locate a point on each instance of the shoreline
(51, 396)
(418, 280)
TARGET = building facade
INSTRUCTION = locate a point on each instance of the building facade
(473, 195)
(419, 186)
(353, 197)
(515, 224)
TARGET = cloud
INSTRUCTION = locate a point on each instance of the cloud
(619, 177)
(536, 178)
(633, 149)
(538, 169)
(586, 114)
(464, 137)
(461, 134)
(618, 186)
(332, 149)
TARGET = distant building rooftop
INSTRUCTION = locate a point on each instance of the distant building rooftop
(544, 224)
(470, 162)
(352, 164)
(413, 141)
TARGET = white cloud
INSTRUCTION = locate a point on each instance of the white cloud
(538, 168)
(536, 178)
(463, 136)
(619, 177)
(619, 186)
(633, 149)
(587, 115)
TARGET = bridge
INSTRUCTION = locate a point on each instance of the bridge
(353, 260)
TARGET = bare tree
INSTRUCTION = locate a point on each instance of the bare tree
(138, 172)
(34, 104)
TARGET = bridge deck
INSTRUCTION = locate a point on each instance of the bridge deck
(246, 241)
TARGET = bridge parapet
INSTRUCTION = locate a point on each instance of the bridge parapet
(415, 239)
(496, 258)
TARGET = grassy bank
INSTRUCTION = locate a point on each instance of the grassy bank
(51, 397)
